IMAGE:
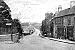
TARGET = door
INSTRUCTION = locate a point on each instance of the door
(70, 32)
(60, 32)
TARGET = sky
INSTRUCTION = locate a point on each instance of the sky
(34, 10)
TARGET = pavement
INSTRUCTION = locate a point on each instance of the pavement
(61, 40)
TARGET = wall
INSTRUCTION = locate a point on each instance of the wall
(65, 21)
(74, 26)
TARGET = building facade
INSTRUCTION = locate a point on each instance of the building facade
(64, 24)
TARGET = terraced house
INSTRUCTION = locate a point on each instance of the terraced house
(64, 24)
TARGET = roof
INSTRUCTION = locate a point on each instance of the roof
(66, 12)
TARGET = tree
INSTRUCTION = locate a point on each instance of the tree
(48, 16)
(45, 28)
(4, 11)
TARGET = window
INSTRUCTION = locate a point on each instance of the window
(58, 21)
(69, 21)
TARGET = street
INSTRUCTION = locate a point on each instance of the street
(35, 42)
(37, 24)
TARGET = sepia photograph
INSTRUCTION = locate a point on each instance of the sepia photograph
(37, 24)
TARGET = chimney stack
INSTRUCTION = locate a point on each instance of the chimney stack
(59, 8)
(72, 3)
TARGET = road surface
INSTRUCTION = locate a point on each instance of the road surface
(35, 42)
